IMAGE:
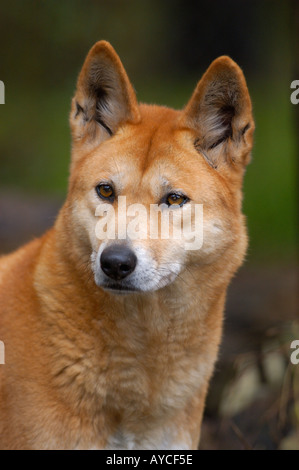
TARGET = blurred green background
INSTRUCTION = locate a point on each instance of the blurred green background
(165, 47)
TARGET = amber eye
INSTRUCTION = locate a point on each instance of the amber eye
(174, 199)
(105, 191)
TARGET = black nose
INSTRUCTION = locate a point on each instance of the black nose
(118, 261)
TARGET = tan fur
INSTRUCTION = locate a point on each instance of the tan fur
(86, 368)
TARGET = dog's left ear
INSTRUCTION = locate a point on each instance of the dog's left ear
(220, 114)
(104, 98)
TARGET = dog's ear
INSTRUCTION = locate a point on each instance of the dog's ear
(104, 97)
(220, 114)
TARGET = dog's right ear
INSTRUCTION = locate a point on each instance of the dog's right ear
(104, 97)
(220, 114)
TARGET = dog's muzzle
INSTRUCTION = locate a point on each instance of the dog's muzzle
(118, 262)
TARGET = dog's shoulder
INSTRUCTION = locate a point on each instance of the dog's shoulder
(19, 259)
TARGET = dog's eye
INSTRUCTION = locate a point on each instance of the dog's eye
(105, 191)
(175, 199)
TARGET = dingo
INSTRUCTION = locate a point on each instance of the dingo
(89, 368)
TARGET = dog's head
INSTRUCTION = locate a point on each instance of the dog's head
(154, 192)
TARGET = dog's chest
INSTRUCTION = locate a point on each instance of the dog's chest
(149, 391)
(155, 372)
